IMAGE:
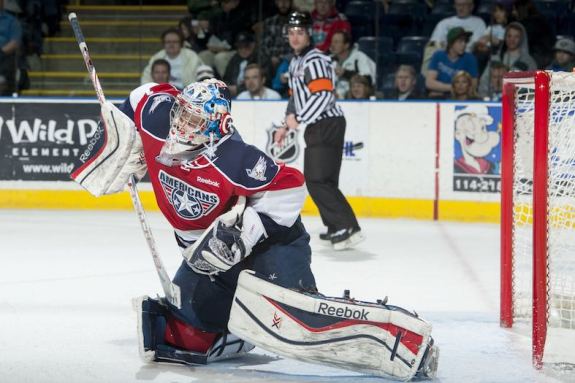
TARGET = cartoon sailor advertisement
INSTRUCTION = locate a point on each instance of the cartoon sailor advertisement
(477, 148)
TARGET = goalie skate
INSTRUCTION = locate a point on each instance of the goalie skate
(151, 316)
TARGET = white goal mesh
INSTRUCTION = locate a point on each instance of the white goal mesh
(561, 202)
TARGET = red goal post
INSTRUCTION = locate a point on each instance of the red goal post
(538, 204)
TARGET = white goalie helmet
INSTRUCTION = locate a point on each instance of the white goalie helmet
(200, 115)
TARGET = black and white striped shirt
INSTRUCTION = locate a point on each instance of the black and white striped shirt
(311, 83)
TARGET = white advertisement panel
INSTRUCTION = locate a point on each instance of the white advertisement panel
(470, 152)
(258, 121)
(402, 149)
(389, 148)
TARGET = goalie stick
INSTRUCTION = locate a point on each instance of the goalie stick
(171, 290)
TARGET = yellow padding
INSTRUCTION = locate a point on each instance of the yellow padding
(75, 56)
(471, 211)
(131, 8)
(71, 199)
(84, 74)
(382, 207)
(106, 40)
(73, 92)
(363, 206)
(121, 23)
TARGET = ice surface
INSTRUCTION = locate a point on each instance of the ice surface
(67, 279)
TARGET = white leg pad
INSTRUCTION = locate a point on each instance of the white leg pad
(365, 337)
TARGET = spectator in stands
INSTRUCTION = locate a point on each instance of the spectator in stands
(515, 47)
(34, 27)
(493, 90)
(564, 56)
(281, 77)
(254, 80)
(202, 31)
(46, 13)
(493, 37)
(304, 5)
(233, 17)
(274, 45)
(462, 87)
(208, 7)
(445, 63)
(327, 20)
(539, 33)
(10, 39)
(464, 19)
(204, 72)
(349, 60)
(360, 88)
(161, 71)
(3, 89)
(405, 85)
(514, 54)
(183, 61)
(185, 26)
(495, 32)
(246, 53)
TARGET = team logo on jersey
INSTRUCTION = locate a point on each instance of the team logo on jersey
(188, 202)
(258, 172)
(158, 100)
(288, 150)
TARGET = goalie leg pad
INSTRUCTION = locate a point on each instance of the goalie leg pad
(113, 154)
(365, 337)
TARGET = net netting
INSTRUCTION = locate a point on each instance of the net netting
(561, 202)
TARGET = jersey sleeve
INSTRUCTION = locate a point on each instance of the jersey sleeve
(280, 200)
(137, 96)
(273, 190)
(149, 107)
(283, 202)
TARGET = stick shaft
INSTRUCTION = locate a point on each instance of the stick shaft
(86, 55)
(171, 290)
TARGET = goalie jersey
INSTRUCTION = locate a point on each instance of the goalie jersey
(192, 195)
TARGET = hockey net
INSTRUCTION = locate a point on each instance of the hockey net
(538, 211)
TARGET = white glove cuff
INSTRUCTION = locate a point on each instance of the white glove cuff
(252, 229)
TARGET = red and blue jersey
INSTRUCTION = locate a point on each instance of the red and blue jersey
(192, 195)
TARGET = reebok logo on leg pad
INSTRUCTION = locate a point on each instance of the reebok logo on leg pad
(346, 312)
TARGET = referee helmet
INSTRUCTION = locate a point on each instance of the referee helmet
(298, 20)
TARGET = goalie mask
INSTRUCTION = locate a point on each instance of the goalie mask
(199, 116)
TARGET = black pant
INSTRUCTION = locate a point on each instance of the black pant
(322, 163)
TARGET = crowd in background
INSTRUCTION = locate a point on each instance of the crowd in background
(463, 54)
(391, 49)
(23, 26)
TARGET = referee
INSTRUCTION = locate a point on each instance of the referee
(312, 105)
